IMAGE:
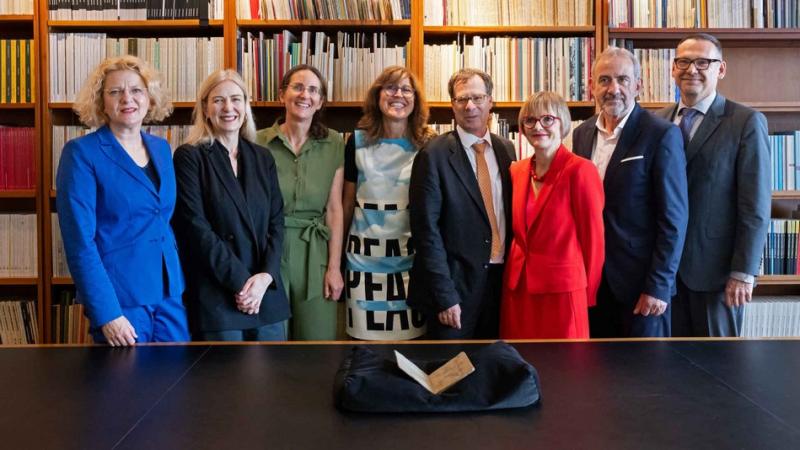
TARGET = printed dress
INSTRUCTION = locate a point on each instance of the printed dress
(379, 248)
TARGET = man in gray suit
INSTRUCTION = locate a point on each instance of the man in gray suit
(728, 171)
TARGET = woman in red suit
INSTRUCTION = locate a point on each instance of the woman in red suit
(553, 267)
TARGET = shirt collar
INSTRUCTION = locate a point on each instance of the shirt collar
(702, 106)
(467, 139)
(599, 123)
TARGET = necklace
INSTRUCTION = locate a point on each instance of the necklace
(535, 177)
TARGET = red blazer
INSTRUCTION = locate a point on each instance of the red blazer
(563, 249)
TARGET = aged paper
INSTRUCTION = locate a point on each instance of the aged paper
(442, 378)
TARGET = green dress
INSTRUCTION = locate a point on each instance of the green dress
(305, 180)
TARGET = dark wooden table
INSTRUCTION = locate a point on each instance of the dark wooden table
(596, 395)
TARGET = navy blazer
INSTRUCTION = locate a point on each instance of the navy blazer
(449, 225)
(728, 171)
(646, 207)
(228, 230)
(115, 224)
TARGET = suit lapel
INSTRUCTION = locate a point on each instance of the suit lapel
(503, 163)
(583, 139)
(155, 156)
(458, 159)
(522, 189)
(710, 123)
(630, 132)
(254, 197)
(550, 180)
(114, 151)
(218, 157)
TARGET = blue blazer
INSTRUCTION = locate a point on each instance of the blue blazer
(646, 207)
(115, 225)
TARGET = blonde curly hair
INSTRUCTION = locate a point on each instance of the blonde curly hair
(89, 103)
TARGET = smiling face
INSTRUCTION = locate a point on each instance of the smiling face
(396, 100)
(302, 96)
(541, 137)
(615, 86)
(473, 118)
(225, 108)
(694, 84)
(125, 99)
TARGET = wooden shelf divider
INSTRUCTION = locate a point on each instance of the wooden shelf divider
(177, 24)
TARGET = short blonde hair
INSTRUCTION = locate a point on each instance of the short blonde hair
(89, 103)
(542, 102)
(202, 132)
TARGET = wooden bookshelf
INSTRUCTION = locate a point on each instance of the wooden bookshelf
(19, 281)
(6, 19)
(18, 193)
(68, 105)
(17, 106)
(146, 25)
(324, 25)
(513, 105)
(786, 195)
(62, 281)
(764, 37)
(328, 105)
(508, 30)
(779, 280)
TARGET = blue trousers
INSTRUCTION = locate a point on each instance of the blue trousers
(270, 332)
(160, 322)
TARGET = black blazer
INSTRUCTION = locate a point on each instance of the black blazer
(228, 229)
(646, 207)
(449, 224)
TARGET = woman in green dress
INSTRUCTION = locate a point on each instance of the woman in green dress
(310, 158)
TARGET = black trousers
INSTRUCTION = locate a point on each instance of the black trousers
(614, 318)
(478, 321)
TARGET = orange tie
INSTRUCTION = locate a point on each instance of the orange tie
(485, 185)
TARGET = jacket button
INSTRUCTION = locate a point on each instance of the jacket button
(229, 237)
(485, 266)
(487, 241)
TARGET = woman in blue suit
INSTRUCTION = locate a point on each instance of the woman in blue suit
(115, 197)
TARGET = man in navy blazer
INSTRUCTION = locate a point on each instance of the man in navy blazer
(728, 170)
(640, 158)
(461, 229)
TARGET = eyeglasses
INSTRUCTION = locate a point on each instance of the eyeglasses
(393, 89)
(477, 100)
(699, 63)
(546, 120)
(298, 88)
(133, 92)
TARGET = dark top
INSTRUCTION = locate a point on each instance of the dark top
(150, 170)
(227, 231)
(350, 168)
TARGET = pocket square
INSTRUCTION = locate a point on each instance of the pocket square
(632, 158)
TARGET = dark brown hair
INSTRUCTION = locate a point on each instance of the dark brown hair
(318, 130)
(372, 120)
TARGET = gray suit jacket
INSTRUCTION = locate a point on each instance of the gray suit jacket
(728, 171)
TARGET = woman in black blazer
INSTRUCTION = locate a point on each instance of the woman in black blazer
(229, 220)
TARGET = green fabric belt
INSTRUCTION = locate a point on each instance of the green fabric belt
(317, 234)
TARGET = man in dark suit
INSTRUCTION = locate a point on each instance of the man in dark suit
(640, 158)
(460, 197)
(728, 171)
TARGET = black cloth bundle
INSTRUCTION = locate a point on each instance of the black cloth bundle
(369, 382)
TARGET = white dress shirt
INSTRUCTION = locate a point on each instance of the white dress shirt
(606, 143)
(467, 140)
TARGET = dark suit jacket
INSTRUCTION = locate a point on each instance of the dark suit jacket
(728, 171)
(119, 245)
(229, 229)
(449, 224)
(646, 205)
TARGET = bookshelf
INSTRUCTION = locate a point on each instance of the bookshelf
(748, 51)
(15, 200)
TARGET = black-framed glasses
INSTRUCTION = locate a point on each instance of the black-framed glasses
(546, 120)
(476, 100)
(393, 89)
(699, 63)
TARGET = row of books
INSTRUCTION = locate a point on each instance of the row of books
(61, 134)
(785, 160)
(135, 9)
(350, 63)
(658, 84)
(382, 10)
(772, 316)
(18, 322)
(183, 62)
(780, 252)
(518, 66)
(509, 12)
(17, 167)
(703, 14)
(18, 250)
(68, 323)
(16, 7)
(17, 74)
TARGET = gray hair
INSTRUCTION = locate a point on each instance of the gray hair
(617, 52)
